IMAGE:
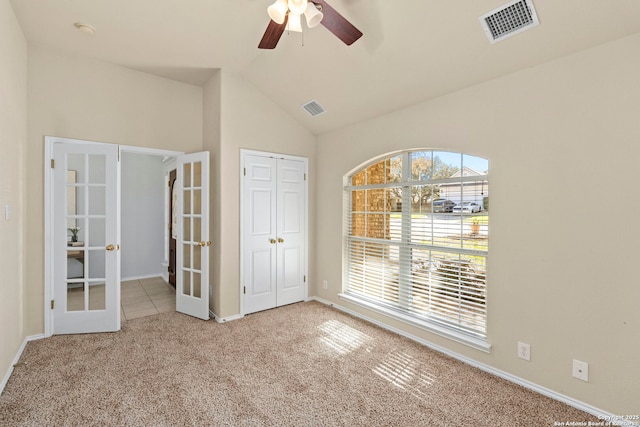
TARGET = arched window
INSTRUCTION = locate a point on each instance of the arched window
(417, 238)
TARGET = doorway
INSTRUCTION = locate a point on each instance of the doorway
(173, 233)
(273, 230)
(144, 216)
(84, 228)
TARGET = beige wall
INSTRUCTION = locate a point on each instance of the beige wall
(563, 142)
(92, 100)
(250, 120)
(13, 141)
(211, 143)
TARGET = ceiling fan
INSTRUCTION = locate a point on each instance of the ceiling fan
(286, 14)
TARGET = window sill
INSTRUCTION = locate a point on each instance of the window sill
(434, 328)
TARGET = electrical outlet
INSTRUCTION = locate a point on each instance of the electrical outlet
(325, 285)
(524, 351)
(581, 370)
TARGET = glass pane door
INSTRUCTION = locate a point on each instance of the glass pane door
(192, 290)
(85, 222)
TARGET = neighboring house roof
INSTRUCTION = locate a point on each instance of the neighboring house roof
(467, 171)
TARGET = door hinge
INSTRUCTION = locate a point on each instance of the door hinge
(52, 304)
(305, 279)
(305, 176)
(53, 163)
(245, 171)
(245, 290)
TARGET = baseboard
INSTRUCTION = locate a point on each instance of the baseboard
(5, 380)
(603, 415)
(144, 276)
(225, 319)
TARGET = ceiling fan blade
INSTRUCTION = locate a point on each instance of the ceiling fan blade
(272, 34)
(338, 24)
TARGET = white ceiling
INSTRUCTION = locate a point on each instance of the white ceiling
(411, 51)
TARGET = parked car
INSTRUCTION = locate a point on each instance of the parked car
(443, 205)
(467, 207)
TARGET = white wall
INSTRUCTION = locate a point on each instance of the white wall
(13, 141)
(143, 222)
(92, 100)
(562, 139)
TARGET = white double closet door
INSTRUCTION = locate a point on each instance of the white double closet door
(274, 231)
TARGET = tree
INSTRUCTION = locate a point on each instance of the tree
(424, 167)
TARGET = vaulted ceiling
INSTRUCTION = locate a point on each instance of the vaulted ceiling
(411, 51)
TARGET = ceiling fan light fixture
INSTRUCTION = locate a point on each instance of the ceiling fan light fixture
(297, 7)
(278, 11)
(313, 15)
(315, 11)
(294, 23)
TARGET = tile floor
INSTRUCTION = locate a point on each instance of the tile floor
(145, 297)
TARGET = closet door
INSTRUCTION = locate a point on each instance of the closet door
(259, 248)
(290, 230)
(273, 232)
(86, 272)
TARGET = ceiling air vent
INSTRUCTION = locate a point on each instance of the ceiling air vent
(509, 20)
(313, 108)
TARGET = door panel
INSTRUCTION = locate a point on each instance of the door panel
(291, 268)
(260, 206)
(192, 247)
(85, 221)
(262, 268)
(291, 221)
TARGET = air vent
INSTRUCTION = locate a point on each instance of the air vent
(509, 20)
(313, 108)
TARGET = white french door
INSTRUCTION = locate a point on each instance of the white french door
(193, 244)
(86, 258)
(84, 247)
(273, 231)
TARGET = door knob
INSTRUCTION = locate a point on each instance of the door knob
(209, 243)
(272, 241)
(280, 240)
(201, 244)
(110, 248)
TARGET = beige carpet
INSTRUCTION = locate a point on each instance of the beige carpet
(301, 365)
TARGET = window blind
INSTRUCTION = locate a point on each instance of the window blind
(417, 237)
